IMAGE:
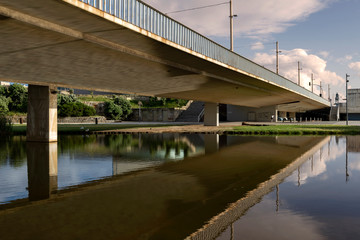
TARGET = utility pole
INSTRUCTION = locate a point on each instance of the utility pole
(312, 82)
(329, 93)
(321, 90)
(299, 69)
(347, 114)
(277, 57)
(231, 26)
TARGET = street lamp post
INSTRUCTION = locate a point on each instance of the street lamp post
(347, 114)
(232, 26)
(277, 57)
(299, 69)
(312, 82)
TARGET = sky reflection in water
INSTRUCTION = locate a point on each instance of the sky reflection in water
(320, 200)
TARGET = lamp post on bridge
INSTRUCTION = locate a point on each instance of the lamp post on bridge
(299, 69)
(277, 57)
(232, 26)
(347, 114)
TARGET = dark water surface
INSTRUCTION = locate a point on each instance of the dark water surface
(180, 186)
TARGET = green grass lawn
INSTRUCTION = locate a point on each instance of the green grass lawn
(298, 130)
(83, 128)
(241, 130)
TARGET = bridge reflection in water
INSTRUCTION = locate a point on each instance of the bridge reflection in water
(170, 200)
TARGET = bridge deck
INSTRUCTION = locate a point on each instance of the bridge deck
(51, 42)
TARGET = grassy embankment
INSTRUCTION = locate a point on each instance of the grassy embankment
(239, 130)
(296, 130)
(83, 128)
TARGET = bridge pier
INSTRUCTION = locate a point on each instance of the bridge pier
(42, 114)
(211, 114)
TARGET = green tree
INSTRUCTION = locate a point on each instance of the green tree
(5, 125)
(112, 110)
(4, 102)
(64, 99)
(70, 106)
(3, 91)
(125, 106)
(118, 108)
(18, 95)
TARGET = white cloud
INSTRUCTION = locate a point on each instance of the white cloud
(256, 18)
(355, 66)
(344, 59)
(324, 54)
(348, 57)
(309, 63)
(257, 46)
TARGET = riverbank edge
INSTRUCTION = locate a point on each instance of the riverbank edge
(266, 130)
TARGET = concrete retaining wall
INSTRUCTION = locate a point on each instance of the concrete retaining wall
(239, 113)
(101, 119)
(23, 119)
(155, 114)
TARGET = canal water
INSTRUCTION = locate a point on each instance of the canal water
(180, 186)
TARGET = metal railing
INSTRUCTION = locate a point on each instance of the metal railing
(149, 19)
(201, 114)
(145, 17)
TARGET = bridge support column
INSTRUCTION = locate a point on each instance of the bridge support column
(211, 114)
(42, 114)
(292, 115)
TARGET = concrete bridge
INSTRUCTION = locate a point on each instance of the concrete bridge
(127, 46)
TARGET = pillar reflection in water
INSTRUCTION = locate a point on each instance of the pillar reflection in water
(211, 143)
(42, 169)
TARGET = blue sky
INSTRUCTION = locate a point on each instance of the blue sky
(324, 35)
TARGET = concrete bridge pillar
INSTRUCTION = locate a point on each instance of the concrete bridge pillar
(42, 114)
(292, 115)
(211, 114)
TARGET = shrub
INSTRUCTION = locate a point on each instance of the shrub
(112, 110)
(75, 109)
(125, 106)
(18, 95)
(64, 99)
(88, 111)
(70, 106)
(5, 125)
(3, 91)
(4, 104)
(118, 108)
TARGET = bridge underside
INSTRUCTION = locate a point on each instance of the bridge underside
(73, 48)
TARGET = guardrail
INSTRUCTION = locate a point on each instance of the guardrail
(145, 17)
(201, 114)
(148, 18)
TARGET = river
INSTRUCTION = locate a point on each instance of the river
(180, 186)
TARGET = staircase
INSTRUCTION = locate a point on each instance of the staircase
(334, 113)
(193, 113)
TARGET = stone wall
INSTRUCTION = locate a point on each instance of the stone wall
(18, 119)
(101, 119)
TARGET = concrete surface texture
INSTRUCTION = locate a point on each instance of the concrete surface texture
(48, 42)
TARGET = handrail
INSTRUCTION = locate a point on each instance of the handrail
(147, 18)
(201, 114)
